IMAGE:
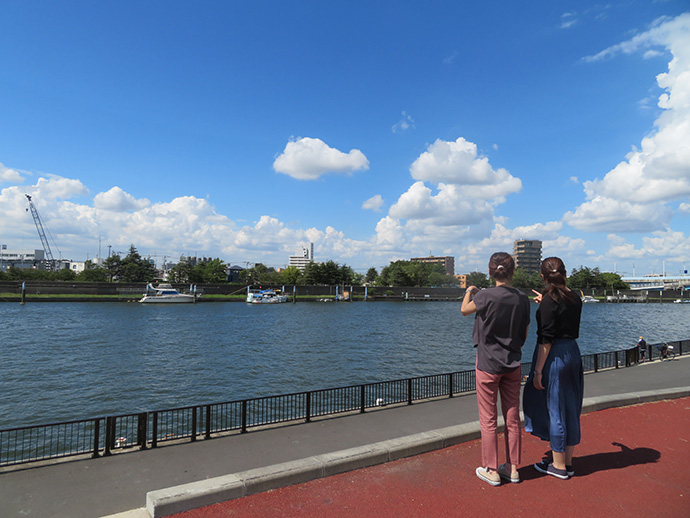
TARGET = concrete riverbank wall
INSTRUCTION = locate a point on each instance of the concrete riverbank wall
(132, 291)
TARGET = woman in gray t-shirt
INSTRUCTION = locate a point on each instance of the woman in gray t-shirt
(500, 329)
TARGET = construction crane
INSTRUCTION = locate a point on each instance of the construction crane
(54, 265)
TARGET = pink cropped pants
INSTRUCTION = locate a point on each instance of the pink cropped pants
(488, 387)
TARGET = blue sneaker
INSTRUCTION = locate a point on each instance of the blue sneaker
(548, 468)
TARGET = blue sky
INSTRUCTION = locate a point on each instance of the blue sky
(376, 130)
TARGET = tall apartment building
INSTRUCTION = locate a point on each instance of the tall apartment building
(527, 255)
(447, 262)
(302, 258)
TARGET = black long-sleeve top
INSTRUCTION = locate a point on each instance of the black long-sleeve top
(558, 319)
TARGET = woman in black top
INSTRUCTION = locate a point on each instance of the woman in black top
(552, 399)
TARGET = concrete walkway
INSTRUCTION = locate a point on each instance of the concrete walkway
(180, 477)
(632, 461)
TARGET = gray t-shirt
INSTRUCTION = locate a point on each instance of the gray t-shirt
(500, 328)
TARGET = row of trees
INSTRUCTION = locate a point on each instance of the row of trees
(581, 278)
(134, 268)
(328, 273)
(412, 273)
(131, 268)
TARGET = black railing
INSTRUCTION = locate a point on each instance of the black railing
(105, 435)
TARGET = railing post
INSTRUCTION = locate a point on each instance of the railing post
(96, 438)
(362, 405)
(596, 363)
(244, 417)
(450, 385)
(207, 435)
(616, 359)
(154, 431)
(307, 410)
(109, 435)
(194, 425)
(141, 430)
(409, 391)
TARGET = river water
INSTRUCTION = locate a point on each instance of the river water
(64, 361)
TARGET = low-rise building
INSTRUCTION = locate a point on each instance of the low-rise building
(447, 262)
(21, 259)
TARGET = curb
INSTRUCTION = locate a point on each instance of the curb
(185, 497)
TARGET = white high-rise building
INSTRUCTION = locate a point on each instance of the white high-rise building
(302, 258)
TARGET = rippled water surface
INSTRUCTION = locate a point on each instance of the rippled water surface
(61, 361)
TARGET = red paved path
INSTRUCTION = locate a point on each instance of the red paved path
(633, 461)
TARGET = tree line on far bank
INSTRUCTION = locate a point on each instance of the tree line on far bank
(134, 268)
(581, 278)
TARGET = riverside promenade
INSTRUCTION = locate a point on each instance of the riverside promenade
(177, 478)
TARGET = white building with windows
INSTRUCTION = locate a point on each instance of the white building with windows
(302, 258)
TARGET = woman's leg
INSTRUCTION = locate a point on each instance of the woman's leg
(487, 393)
(559, 459)
(510, 405)
(569, 450)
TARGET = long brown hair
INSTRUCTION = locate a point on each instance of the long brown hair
(501, 266)
(553, 271)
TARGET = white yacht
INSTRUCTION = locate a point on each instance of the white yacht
(165, 293)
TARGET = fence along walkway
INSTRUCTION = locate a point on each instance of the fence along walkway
(103, 436)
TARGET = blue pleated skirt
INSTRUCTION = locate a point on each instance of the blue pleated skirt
(553, 414)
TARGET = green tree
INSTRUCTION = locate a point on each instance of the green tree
(291, 275)
(478, 279)
(92, 273)
(27, 274)
(613, 281)
(413, 273)
(209, 272)
(64, 274)
(137, 269)
(113, 267)
(180, 272)
(371, 276)
(330, 273)
(584, 278)
(527, 281)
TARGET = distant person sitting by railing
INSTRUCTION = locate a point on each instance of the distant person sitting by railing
(642, 345)
(663, 350)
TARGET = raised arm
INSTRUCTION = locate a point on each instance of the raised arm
(468, 306)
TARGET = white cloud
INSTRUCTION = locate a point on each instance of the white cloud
(117, 200)
(668, 245)
(310, 158)
(374, 203)
(449, 59)
(10, 175)
(633, 196)
(403, 124)
(476, 254)
(450, 206)
(453, 198)
(684, 208)
(458, 163)
(568, 20)
(602, 214)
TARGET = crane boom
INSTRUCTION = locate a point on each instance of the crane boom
(42, 234)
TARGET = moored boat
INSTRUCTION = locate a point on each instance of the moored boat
(165, 293)
(265, 297)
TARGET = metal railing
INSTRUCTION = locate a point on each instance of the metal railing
(104, 436)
